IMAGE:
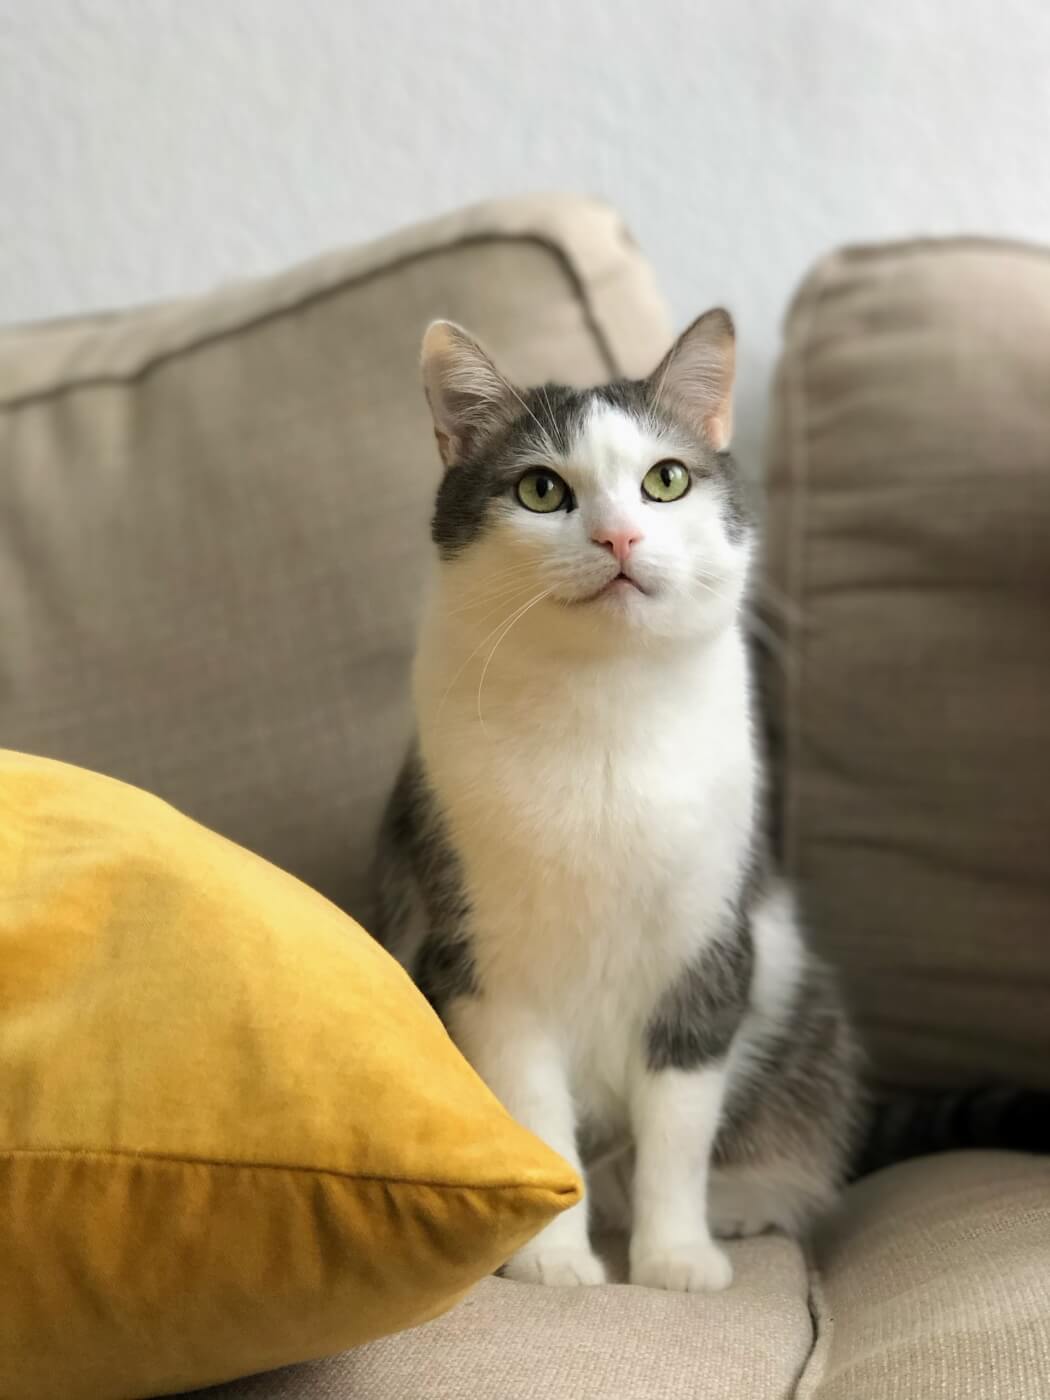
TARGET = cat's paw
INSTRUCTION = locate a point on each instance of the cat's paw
(738, 1208)
(560, 1268)
(741, 1226)
(700, 1267)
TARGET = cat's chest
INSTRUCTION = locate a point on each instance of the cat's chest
(558, 795)
(594, 875)
(562, 827)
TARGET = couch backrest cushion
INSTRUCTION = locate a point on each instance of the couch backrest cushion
(213, 515)
(909, 541)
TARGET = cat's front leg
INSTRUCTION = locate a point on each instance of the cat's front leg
(677, 1093)
(675, 1115)
(525, 1068)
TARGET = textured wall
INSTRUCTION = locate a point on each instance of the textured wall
(153, 147)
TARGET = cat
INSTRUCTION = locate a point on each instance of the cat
(572, 863)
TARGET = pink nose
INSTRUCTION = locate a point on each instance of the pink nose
(619, 543)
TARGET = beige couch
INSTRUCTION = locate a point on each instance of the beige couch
(212, 543)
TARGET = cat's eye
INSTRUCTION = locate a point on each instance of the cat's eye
(542, 491)
(667, 481)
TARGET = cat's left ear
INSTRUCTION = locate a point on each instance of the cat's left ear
(695, 377)
(468, 397)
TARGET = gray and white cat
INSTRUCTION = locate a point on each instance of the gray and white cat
(572, 865)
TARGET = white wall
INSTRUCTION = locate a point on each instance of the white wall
(153, 147)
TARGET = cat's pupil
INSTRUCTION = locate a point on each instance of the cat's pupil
(665, 475)
(543, 485)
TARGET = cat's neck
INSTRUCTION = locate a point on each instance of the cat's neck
(473, 675)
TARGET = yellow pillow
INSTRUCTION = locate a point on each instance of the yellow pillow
(232, 1133)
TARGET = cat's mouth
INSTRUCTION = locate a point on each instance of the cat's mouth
(620, 583)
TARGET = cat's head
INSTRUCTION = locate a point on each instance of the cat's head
(616, 510)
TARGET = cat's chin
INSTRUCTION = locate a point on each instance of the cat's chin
(622, 613)
(618, 589)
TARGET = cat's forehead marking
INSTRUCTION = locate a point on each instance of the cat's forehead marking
(610, 440)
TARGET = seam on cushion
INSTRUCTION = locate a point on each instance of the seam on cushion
(814, 1368)
(911, 247)
(887, 252)
(804, 316)
(577, 283)
(71, 1154)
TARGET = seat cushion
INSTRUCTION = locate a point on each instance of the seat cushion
(517, 1341)
(218, 1152)
(213, 515)
(931, 1280)
(909, 558)
(935, 1280)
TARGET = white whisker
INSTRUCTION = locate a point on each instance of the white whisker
(508, 385)
(488, 660)
(776, 601)
(490, 594)
(466, 663)
(766, 636)
(714, 592)
(547, 405)
(668, 361)
(506, 597)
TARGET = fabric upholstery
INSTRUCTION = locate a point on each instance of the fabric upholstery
(218, 1150)
(935, 1281)
(213, 515)
(931, 1281)
(512, 1341)
(909, 558)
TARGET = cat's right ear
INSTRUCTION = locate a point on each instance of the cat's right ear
(468, 396)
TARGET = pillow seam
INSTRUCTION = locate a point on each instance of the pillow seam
(103, 1154)
(577, 280)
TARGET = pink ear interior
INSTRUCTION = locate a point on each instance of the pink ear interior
(695, 377)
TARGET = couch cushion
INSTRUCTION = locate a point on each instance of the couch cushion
(213, 514)
(513, 1341)
(935, 1280)
(909, 544)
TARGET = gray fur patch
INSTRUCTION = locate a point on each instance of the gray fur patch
(552, 416)
(699, 1014)
(420, 880)
(916, 1123)
(444, 968)
(801, 1102)
(738, 497)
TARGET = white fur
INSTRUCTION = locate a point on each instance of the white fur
(742, 1201)
(779, 957)
(594, 760)
(675, 1120)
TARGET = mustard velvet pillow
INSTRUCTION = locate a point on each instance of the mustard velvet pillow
(232, 1133)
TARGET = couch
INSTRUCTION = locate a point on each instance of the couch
(212, 546)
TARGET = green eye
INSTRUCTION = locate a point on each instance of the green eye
(542, 491)
(667, 481)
